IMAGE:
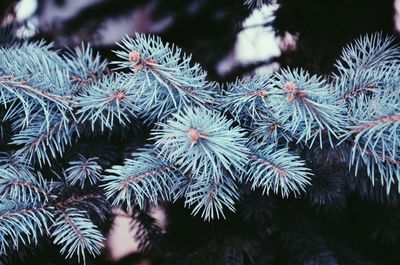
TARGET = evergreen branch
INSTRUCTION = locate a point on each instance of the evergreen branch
(308, 107)
(356, 91)
(22, 186)
(44, 142)
(368, 82)
(375, 130)
(11, 81)
(167, 76)
(76, 234)
(83, 171)
(377, 162)
(28, 91)
(109, 99)
(201, 142)
(21, 224)
(379, 155)
(141, 180)
(277, 170)
(381, 122)
(210, 197)
(93, 203)
(249, 98)
(84, 65)
(370, 51)
(268, 129)
(76, 199)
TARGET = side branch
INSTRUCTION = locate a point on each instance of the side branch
(22, 84)
(386, 119)
(356, 91)
(124, 184)
(268, 164)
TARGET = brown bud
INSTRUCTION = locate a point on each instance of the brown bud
(194, 135)
(138, 68)
(289, 87)
(263, 93)
(290, 98)
(302, 94)
(120, 95)
(134, 56)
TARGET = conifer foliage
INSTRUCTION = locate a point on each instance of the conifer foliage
(207, 141)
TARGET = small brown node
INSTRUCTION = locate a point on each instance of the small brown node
(289, 87)
(120, 95)
(138, 68)
(194, 135)
(134, 56)
(263, 93)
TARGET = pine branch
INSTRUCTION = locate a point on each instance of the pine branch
(308, 107)
(84, 171)
(76, 234)
(45, 142)
(374, 130)
(211, 197)
(202, 143)
(24, 90)
(276, 170)
(370, 51)
(141, 180)
(85, 66)
(248, 98)
(167, 76)
(23, 186)
(112, 98)
(22, 224)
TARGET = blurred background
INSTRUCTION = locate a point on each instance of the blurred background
(228, 38)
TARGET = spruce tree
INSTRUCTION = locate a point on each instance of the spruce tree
(276, 169)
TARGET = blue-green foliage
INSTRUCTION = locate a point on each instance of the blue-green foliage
(290, 104)
(83, 171)
(23, 186)
(256, 3)
(111, 100)
(21, 224)
(44, 140)
(277, 170)
(368, 84)
(211, 197)
(32, 208)
(201, 143)
(76, 234)
(141, 180)
(205, 144)
(85, 66)
(167, 79)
